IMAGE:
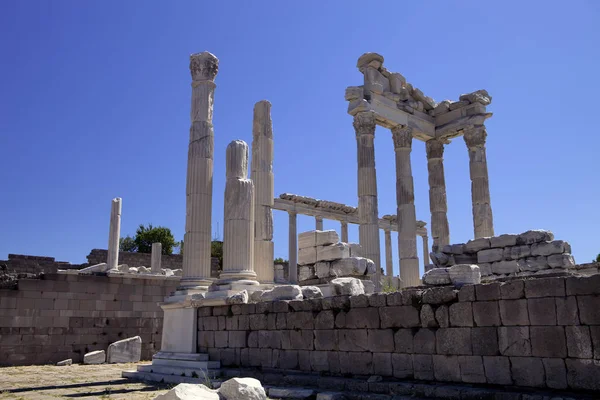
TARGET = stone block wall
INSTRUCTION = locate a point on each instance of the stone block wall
(540, 333)
(64, 316)
(25, 264)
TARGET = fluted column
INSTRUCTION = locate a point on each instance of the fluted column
(389, 262)
(238, 221)
(319, 223)
(262, 175)
(364, 126)
(156, 260)
(293, 249)
(425, 250)
(344, 232)
(196, 257)
(440, 230)
(114, 234)
(483, 222)
(407, 219)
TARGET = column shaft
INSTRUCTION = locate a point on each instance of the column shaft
(156, 260)
(319, 223)
(364, 126)
(344, 232)
(114, 234)
(407, 219)
(440, 230)
(293, 249)
(389, 263)
(262, 176)
(425, 250)
(197, 238)
(483, 222)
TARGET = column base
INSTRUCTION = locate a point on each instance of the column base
(201, 284)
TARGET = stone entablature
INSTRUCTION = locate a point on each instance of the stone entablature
(542, 333)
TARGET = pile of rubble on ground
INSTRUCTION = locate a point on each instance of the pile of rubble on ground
(122, 351)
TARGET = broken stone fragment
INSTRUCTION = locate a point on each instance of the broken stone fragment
(353, 266)
(333, 252)
(355, 250)
(561, 261)
(283, 292)
(326, 238)
(306, 272)
(311, 292)
(479, 96)
(530, 264)
(125, 351)
(442, 108)
(239, 298)
(503, 240)
(189, 391)
(458, 104)
(535, 236)
(397, 82)
(427, 102)
(354, 93)
(242, 389)
(348, 286)
(464, 274)
(437, 276)
(95, 357)
(102, 267)
(549, 248)
(63, 363)
(255, 296)
(372, 59)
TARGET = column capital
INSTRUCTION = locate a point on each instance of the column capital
(364, 123)
(204, 66)
(475, 136)
(434, 148)
(402, 136)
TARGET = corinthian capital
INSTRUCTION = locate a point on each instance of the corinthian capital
(204, 66)
(364, 123)
(434, 148)
(402, 136)
(475, 136)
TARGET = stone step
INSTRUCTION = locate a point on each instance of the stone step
(166, 355)
(155, 377)
(199, 373)
(186, 363)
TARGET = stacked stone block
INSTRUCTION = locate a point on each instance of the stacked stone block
(540, 333)
(531, 252)
(322, 258)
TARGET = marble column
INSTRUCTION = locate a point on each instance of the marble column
(156, 260)
(483, 222)
(196, 257)
(344, 232)
(238, 221)
(407, 219)
(293, 249)
(368, 214)
(425, 250)
(440, 230)
(114, 234)
(262, 176)
(319, 223)
(389, 263)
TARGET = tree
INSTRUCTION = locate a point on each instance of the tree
(127, 244)
(598, 258)
(216, 250)
(281, 261)
(146, 235)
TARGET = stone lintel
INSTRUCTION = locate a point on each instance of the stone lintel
(455, 128)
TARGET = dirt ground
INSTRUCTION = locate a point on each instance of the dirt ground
(76, 382)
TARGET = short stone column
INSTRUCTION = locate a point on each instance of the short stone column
(344, 232)
(440, 230)
(262, 176)
(156, 260)
(483, 222)
(238, 221)
(407, 219)
(319, 223)
(293, 249)
(425, 249)
(196, 257)
(389, 262)
(114, 234)
(368, 214)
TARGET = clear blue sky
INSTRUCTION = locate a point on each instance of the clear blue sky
(95, 99)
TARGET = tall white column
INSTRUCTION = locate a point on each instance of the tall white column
(319, 223)
(114, 234)
(407, 219)
(344, 232)
(389, 262)
(238, 221)
(483, 221)
(440, 230)
(293, 249)
(196, 257)
(262, 176)
(364, 127)
(156, 260)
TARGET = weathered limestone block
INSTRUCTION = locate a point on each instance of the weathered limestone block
(354, 93)
(311, 292)
(189, 391)
(242, 389)
(514, 341)
(518, 252)
(479, 96)
(323, 269)
(533, 264)
(475, 245)
(355, 250)
(454, 248)
(307, 256)
(503, 240)
(306, 272)
(325, 238)
(549, 248)
(307, 239)
(352, 266)
(464, 274)
(291, 393)
(490, 255)
(65, 362)
(124, 351)
(505, 267)
(437, 276)
(561, 261)
(239, 298)
(283, 292)
(333, 252)
(485, 269)
(583, 374)
(255, 296)
(535, 236)
(348, 286)
(95, 357)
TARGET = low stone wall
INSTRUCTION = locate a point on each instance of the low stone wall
(67, 315)
(25, 264)
(542, 333)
